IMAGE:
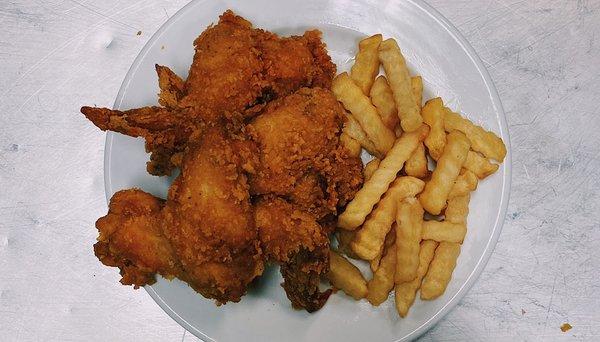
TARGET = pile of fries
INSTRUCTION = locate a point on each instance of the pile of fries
(407, 221)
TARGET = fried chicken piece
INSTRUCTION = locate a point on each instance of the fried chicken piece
(203, 234)
(131, 239)
(304, 174)
(236, 70)
(209, 220)
(236, 67)
(295, 62)
(294, 239)
(226, 74)
(166, 131)
(301, 157)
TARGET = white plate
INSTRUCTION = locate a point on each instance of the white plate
(450, 69)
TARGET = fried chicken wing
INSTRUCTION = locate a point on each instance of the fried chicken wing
(209, 221)
(293, 238)
(165, 131)
(203, 234)
(304, 174)
(235, 71)
(300, 153)
(171, 87)
(131, 239)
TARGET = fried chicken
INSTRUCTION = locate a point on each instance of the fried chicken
(293, 238)
(208, 218)
(301, 157)
(131, 239)
(236, 70)
(171, 87)
(303, 176)
(204, 233)
(226, 73)
(252, 123)
(166, 131)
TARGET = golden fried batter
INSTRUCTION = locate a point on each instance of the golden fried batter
(294, 239)
(203, 234)
(171, 87)
(301, 157)
(226, 73)
(209, 221)
(235, 71)
(282, 147)
(131, 239)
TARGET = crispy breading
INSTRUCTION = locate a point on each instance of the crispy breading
(295, 240)
(299, 134)
(236, 70)
(203, 234)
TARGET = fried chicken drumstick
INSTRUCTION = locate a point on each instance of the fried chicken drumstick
(235, 71)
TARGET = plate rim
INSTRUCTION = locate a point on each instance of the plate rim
(507, 164)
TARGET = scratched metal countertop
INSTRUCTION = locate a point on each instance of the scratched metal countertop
(55, 55)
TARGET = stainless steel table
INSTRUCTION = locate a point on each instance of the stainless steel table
(55, 55)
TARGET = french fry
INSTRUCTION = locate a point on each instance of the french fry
(351, 96)
(465, 183)
(486, 142)
(366, 64)
(457, 209)
(370, 168)
(344, 237)
(409, 223)
(383, 279)
(369, 239)
(444, 231)
(440, 270)
(479, 165)
(364, 200)
(405, 293)
(416, 85)
(416, 165)
(390, 239)
(397, 74)
(383, 99)
(433, 115)
(436, 191)
(346, 277)
(352, 129)
(353, 146)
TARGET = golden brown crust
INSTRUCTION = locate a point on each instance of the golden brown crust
(171, 87)
(290, 159)
(131, 239)
(294, 239)
(236, 70)
(301, 157)
(203, 234)
(166, 131)
(209, 221)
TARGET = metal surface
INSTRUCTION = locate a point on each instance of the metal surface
(55, 55)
